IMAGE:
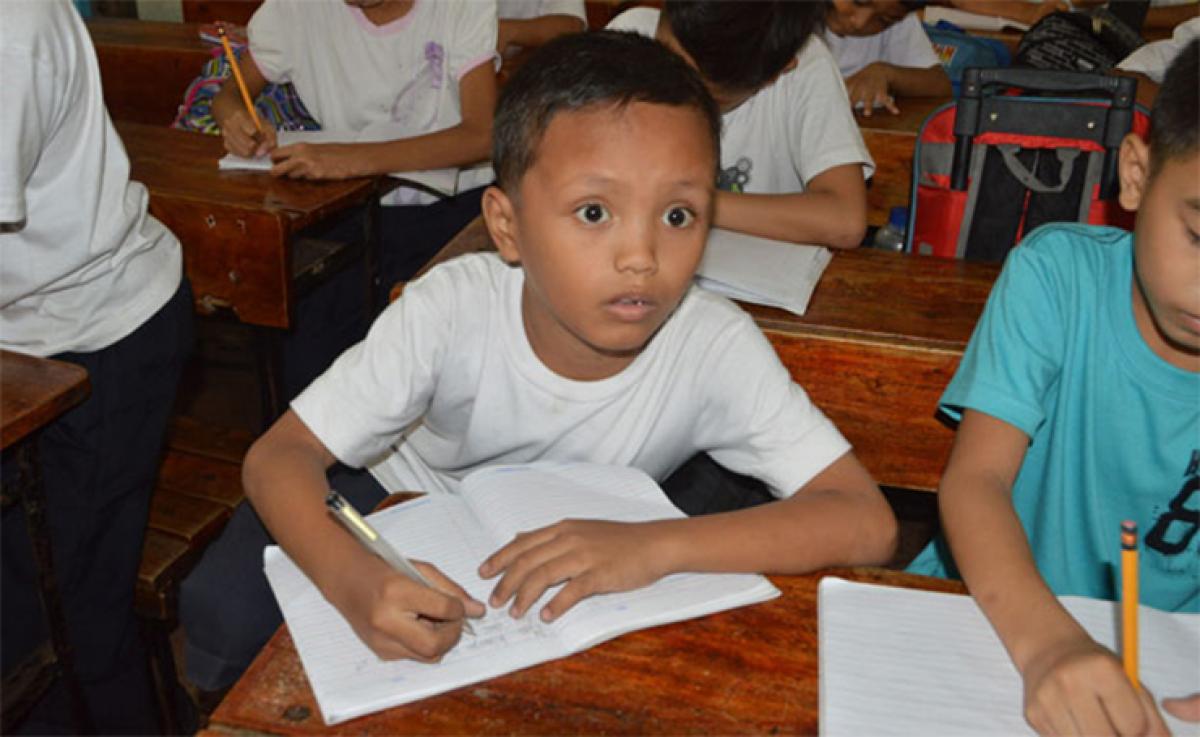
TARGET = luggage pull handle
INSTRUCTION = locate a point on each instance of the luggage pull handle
(1119, 119)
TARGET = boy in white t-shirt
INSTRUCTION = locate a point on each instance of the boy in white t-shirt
(883, 52)
(793, 161)
(87, 276)
(583, 340)
(525, 24)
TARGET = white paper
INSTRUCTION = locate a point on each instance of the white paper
(441, 181)
(760, 270)
(897, 661)
(456, 532)
(969, 21)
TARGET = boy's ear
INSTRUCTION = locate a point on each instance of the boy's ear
(501, 219)
(1134, 171)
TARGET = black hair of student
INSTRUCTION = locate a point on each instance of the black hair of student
(590, 70)
(741, 45)
(1175, 120)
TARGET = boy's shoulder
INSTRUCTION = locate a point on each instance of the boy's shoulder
(1080, 250)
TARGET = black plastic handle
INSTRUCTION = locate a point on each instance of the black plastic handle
(1120, 89)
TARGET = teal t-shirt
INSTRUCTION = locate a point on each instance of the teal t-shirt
(1114, 429)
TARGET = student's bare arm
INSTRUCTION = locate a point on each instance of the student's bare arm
(877, 84)
(467, 143)
(241, 136)
(838, 518)
(530, 32)
(284, 478)
(832, 211)
(1072, 684)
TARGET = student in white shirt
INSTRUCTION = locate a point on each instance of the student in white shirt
(883, 52)
(525, 24)
(1149, 63)
(793, 162)
(87, 277)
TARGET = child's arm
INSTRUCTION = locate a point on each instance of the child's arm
(284, 478)
(241, 137)
(831, 211)
(469, 142)
(837, 518)
(879, 82)
(1073, 685)
(530, 32)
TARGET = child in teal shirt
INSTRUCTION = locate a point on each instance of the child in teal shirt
(1079, 401)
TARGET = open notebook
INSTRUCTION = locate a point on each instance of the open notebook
(897, 661)
(761, 270)
(456, 532)
(969, 21)
(438, 181)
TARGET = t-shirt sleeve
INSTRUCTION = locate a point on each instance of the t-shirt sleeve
(756, 421)
(822, 132)
(907, 45)
(474, 37)
(27, 113)
(1152, 59)
(363, 403)
(1015, 354)
(272, 35)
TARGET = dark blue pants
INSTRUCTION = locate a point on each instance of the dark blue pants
(99, 462)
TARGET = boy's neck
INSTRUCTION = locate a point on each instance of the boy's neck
(388, 11)
(1176, 355)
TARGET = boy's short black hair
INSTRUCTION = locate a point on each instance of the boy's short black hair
(741, 45)
(1175, 121)
(586, 70)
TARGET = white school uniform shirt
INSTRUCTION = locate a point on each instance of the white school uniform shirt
(903, 44)
(789, 131)
(526, 9)
(88, 265)
(352, 74)
(446, 382)
(1153, 58)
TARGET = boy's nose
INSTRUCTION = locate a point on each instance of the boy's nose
(638, 249)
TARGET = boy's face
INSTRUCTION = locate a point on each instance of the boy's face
(1166, 294)
(609, 225)
(863, 17)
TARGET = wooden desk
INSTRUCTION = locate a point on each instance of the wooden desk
(237, 228)
(146, 66)
(746, 671)
(33, 393)
(882, 337)
(891, 140)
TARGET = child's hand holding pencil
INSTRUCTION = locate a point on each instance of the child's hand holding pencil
(243, 131)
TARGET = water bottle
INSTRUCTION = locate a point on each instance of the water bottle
(891, 236)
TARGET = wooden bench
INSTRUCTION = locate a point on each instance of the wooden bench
(146, 66)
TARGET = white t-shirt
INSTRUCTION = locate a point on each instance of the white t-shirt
(526, 9)
(89, 265)
(1153, 58)
(902, 44)
(786, 133)
(351, 73)
(446, 382)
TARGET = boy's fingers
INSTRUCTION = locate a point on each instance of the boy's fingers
(504, 557)
(1155, 726)
(550, 573)
(1186, 708)
(447, 585)
(1122, 704)
(570, 595)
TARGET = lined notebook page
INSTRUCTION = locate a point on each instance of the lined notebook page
(897, 661)
(761, 270)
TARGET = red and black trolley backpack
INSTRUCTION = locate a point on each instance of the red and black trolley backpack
(994, 165)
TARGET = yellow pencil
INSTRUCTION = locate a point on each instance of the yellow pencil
(237, 75)
(1129, 600)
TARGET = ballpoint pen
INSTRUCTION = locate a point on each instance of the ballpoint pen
(345, 513)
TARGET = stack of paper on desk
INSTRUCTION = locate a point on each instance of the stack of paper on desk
(440, 181)
(456, 532)
(969, 21)
(760, 270)
(897, 661)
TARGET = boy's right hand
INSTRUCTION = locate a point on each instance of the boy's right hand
(242, 138)
(1078, 687)
(399, 618)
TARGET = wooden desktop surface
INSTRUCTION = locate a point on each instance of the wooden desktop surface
(236, 227)
(891, 139)
(747, 671)
(34, 391)
(882, 336)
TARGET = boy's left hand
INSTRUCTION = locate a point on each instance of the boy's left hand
(592, 556)
(316, 161)
(870, 86)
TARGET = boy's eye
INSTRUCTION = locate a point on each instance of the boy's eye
(592, 213)
(679, 217)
